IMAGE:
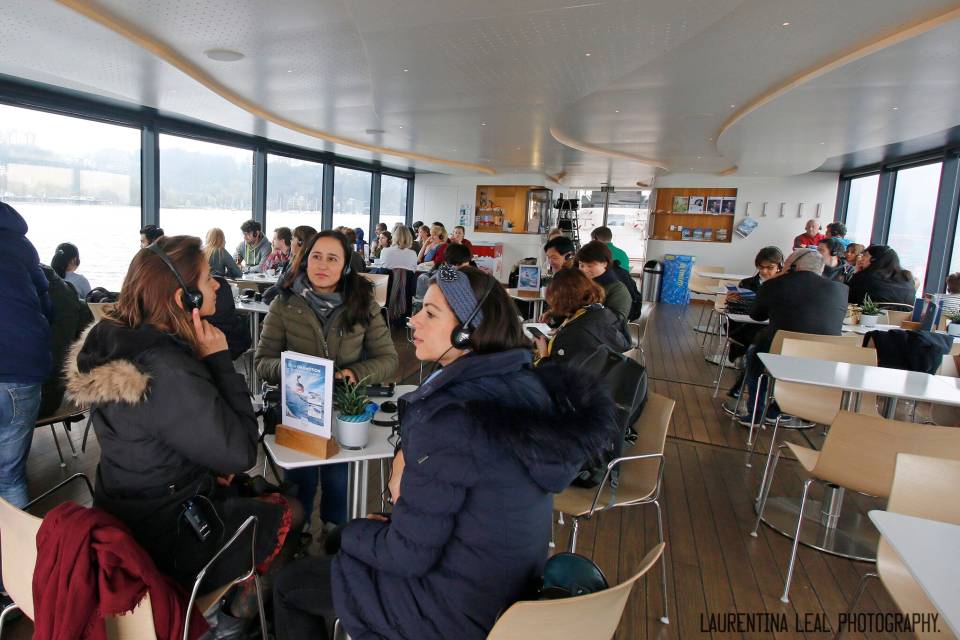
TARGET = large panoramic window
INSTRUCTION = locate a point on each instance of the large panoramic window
(294, 193)
(393, 200)
(205, 185)
(955, 257)
(351, 199)
(911, 221)
(861, 205)
(77, 181)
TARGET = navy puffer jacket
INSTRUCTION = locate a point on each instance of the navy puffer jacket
(486, 442)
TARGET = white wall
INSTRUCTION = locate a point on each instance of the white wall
(737, 256)
(438, 197)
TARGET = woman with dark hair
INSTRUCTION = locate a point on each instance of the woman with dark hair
(301, 235)
(65, 261)
(596, 261)
(489, 439)
(586, 324)
(174, 422)
(881, 277)
(325, 308)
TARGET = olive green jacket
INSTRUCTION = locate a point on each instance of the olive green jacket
(291, 325)
(617, 298)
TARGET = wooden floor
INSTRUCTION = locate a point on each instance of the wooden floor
(713, 566)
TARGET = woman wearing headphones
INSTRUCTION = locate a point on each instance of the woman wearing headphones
(174, 422)
(326, 309)
(487, 439)
(834, 266)
(881, 277)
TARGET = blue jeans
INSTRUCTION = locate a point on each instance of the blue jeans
(19, 404)
(332, 478)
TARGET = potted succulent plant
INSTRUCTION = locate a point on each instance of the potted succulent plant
(869, 312)
(354, 412)
(953, 328)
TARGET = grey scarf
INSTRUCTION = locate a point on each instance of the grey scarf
(324, 305)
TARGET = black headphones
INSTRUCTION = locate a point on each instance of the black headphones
(460, 338)
(192, 299)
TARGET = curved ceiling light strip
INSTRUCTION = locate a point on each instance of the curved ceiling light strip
(586, 147)
(156, 47)
(877, 44)
(728, 171)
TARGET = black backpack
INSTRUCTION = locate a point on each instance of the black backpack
(636, 300)
(627, 381)
(99, 294)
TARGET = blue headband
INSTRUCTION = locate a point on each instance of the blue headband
(456, 288)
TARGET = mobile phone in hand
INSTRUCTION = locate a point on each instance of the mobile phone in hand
(536, 333)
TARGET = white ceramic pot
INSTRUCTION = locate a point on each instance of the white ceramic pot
(953, 329)
(351, 433)
(868, 321)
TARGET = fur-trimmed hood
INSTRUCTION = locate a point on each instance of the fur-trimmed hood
(102, 366)
(551, 418)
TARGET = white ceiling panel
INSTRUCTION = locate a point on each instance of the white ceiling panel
(484, 82)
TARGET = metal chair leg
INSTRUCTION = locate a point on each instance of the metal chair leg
(764, 494)
(856, 599)
(553, 537)
(665, 618)
(753, 414)
(574, 529)
(773, 444)
(86, 432)
(66, 432)
(260, 610)
(796, 542)
(56, 441)
(723, 358)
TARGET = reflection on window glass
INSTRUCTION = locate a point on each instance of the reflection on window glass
(294, 193)
(351, 199)
(911, 223)
(955, 258)
(393, 200)
(860, 208)
(205, 185)
(627, 216)
(75, 181)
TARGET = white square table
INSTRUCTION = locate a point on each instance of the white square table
(536, 297)
(378, 448)
(931, 551)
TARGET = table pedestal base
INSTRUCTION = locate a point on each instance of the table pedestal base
(853, 537)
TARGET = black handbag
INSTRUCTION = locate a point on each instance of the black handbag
(567, 575)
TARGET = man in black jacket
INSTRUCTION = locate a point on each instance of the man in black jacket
(797, 299)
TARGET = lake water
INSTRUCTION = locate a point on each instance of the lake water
(109, 236)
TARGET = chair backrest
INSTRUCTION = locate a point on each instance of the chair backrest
(653, 424)
(136, 625)
(896, 317)
(860, 451)
(777, 345)
(821, 404)
(99, 308)
(379, 281)
(591, 617)
(926, 487)
(18, 553)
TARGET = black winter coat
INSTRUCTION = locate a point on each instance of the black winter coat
(881, 288)
(800, 301)
(486, 443)
(70, 317)
(167, 423)
(582, 336)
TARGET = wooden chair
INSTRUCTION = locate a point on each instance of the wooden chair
(595, 616)
(846, 461)
(706, 287)
(67, 414)
(18, 553)
(638, 333)
(379, 281)
(819, 405)
(640, 479)
(896, 317)
(923, 487)
(776, 346)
